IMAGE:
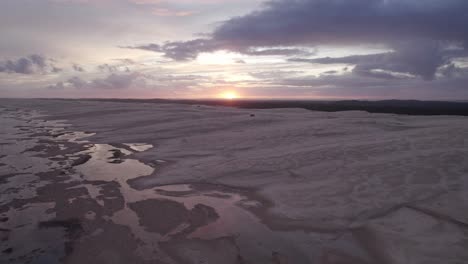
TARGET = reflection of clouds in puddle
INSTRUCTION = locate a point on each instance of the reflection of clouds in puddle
(140, 147)
(254, 239)
(102, 167)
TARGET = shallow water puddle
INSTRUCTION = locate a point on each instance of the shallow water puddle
(107, 163)
(140, 147)
(255, 241)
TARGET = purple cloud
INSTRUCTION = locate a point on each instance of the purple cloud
(418, 31)
(418, 59)
(32, 64)
(112, 81)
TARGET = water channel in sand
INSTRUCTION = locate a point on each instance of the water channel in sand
(228, 216)
(184, 223)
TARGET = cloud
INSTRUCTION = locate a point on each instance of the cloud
(131, 80)
(147, 2)
(418, 59)
(123, 66)
(315, 22)
(276, 52)
(189, 50)
(126, 61)
(113, 81)
(32, 64)
(330, 72)
(351, 85)
(452, 71)
(107, 68)
(274, 75)
(118, 81)
(418, 32)
(181, 50)
(170, 12)
(153, 2)
(134, 84)
(148, 47)
(78, 68)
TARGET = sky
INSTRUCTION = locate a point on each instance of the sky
(291, 49)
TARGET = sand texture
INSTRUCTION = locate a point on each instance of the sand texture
(134, 182)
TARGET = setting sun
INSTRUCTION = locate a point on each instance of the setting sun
(229, 95)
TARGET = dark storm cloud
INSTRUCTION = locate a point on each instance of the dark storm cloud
(182, 50)
(292, 22)
(417, 31)
(315, 22)
(276, 52)
(353, 59)
(419, 59)
(189, 50)
(452, 71)
(32, 64)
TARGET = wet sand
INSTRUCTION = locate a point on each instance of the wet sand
(74, 195)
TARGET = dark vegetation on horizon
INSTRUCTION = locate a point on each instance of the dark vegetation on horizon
(406, 107)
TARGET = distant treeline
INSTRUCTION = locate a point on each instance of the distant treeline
(406, 107)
